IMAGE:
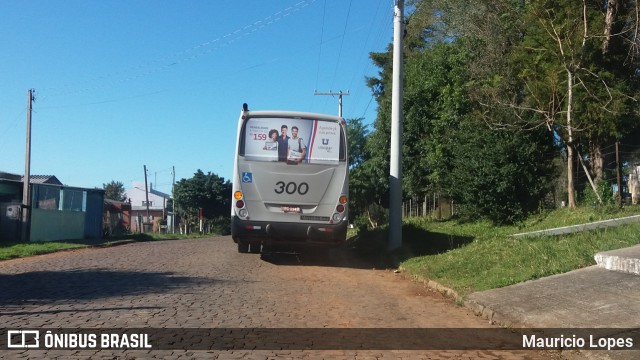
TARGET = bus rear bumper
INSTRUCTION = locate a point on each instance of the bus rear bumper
(278, 233)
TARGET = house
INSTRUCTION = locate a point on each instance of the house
(58, 212)
(147, 218)
(10, 206)
(117, 217)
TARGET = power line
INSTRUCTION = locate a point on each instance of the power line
(366, 42)
(367, 108)
(324, 9)
(363, 58)
(11, 125)
(183, 56)
(383, 27)
(344, 31)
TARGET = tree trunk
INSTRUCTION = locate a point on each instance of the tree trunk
(374, 224)
(610, 18)
(570, 185)
(596, 163)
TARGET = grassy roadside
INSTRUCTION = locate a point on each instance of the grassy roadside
(19, 250)
(470, 257)
(466, 257)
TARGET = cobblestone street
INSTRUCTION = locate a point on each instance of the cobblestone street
(205, 283)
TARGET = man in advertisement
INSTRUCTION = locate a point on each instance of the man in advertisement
(283, 143)
(297, 147)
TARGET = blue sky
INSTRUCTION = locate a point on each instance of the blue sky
(125, 83)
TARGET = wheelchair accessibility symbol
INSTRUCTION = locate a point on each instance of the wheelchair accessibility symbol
(247, 177)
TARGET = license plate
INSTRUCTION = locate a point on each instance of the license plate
(289, 209)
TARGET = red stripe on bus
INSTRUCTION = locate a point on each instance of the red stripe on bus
(313, 139)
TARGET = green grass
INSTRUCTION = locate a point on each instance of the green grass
(466, 257)
(19, 250)
(12, 251)
(565, 217)
(470, 257)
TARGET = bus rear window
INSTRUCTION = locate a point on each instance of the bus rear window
(301, 141)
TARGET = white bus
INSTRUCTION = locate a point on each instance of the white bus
(290, 181)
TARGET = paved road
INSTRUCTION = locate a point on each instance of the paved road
(205, 283)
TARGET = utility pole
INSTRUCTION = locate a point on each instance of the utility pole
(26, 188)
(173, 204)
(395, 173)
(339, 93)
(146, 193)
(619, 178)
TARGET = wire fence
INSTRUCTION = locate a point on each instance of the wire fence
(622, 160)
(433, 206)
(436, 206)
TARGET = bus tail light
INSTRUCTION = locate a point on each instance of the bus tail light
(340, 208)
(342, 201)
(242, 212)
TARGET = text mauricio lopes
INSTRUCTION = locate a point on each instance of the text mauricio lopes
(576, 342)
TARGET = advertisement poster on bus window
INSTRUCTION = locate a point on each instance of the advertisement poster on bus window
(294, 141)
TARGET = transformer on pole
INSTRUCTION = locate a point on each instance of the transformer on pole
(339, 93)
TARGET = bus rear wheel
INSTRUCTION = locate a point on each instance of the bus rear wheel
(255, 247)
(243, 247)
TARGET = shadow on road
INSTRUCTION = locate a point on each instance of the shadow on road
(342, 256)
(373, 246)
(47, 286)
(370, 249)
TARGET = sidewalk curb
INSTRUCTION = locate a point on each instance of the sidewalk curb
(433, 285)
(580, 227)
(113, 243)
(493, 316)
(497, 318)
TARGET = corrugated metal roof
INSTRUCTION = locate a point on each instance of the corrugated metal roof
(43, 179)
(9, 176)
(160, 193)
(33, 179)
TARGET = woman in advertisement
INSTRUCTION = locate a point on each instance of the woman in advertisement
(271, 145)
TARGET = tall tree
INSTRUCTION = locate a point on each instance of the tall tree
(616, 65)
(208, 192)
(114, 190)
(435, 99)
(368, 187)
(556, 78)
(447, 145)
(360, 186)
(357, 138)
(499, 175)
(502, 72)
